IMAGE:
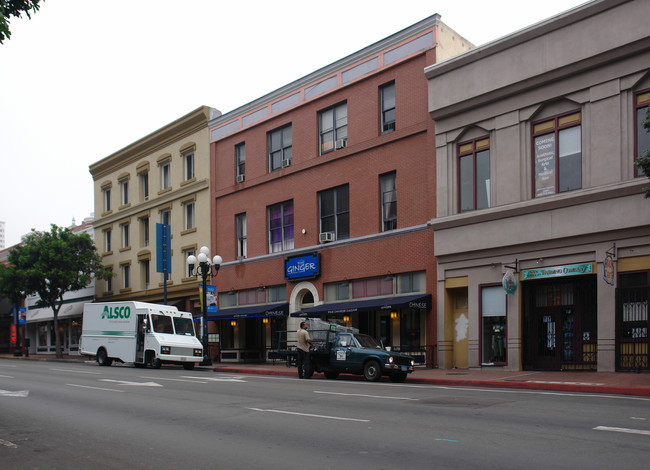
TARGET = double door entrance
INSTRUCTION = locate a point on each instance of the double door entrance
(560, 320)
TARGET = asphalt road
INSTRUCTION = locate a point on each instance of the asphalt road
(79, 415)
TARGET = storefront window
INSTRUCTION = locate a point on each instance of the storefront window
(42, 334)
(409, 329)
(227, 335)
(493, 324)
(75, 332)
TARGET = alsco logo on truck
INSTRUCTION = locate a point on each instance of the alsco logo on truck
(116, 312)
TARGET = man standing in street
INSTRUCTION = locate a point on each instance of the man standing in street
(304, 367)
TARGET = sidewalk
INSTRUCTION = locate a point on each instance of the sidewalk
(616, 383)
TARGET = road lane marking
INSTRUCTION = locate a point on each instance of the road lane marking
(78, 371)
(624, 430)
(125, 382)
(309, 415)
(19, 393)
(234, 378)
(8, 444)
(176, 380)
(7, 376)
(366, 396)
(96, 388)
(446, 440)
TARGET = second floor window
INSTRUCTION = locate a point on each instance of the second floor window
(126, 276)
(280, 148)
(240, 161)
(166, 217)
(280, 227)
(189, 216)
(125, 192)
(165, 174)
(388, 189)
(333, 128)
(144, 182)
(126, 235)
(557, 150)
(107, 199)
(240, 220)
(188, 160)
(108, 247)
(642, 104)
(474, 174)
(334, 212)
(387, 103)
(144, 230)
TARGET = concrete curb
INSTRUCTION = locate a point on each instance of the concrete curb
(551, 387)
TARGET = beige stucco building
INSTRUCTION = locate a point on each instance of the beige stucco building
(163, 178)
(536, 137)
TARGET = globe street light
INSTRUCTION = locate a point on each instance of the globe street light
(205, 267)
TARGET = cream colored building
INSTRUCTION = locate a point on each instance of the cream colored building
(161, 178)
(537, 191)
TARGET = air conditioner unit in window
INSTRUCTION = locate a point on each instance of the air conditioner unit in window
(389, 126)
(325, 237)
(240, 178)
(286, 162)
(341, 143)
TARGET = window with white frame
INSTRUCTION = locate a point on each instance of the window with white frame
(165, 174)
(333, 128)
(240, 221)
(557, 154)
(388, 189)
(188, 160)
(387, 103)
(126, 276)
(189, 215)
(108, 247)
(280, 148)
(280, 217)
(126, 228)
(107, 199)
(124, 186)
(144, 185)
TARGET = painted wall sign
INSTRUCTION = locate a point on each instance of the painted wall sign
(302, 267)
(557, 271)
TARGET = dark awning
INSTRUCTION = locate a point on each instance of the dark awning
(386, 303)
(267, 310)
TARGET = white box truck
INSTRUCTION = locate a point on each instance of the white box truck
(141, 333)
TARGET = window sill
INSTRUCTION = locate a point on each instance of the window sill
(189, 181)
(107, 253)
(162, 284)
(163, 191)
(126, 290)
(189, 230)
(124, 206)
(105, 213)
(126, 248)
(189, 279)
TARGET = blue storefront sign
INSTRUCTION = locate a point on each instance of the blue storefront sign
(302, 267)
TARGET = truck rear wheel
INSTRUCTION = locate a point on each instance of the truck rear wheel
(372, 371)
(102, 358)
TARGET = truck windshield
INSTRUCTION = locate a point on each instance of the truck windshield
(162, 324)
(183, 326)
(367, 342)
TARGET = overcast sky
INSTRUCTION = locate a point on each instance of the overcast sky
(84, 78)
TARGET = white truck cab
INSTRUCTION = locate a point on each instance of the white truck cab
(141, 333)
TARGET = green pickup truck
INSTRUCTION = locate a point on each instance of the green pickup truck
(350, 352)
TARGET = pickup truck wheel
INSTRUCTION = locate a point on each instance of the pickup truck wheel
(398, 378)
(331, 375)
(372, 371)
(102, 358)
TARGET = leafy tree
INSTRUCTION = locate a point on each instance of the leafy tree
(14, 8)
(643, 162)
(52, 263)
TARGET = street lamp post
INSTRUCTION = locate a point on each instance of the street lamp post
(205, 267)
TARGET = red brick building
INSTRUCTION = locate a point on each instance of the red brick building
(321, 193)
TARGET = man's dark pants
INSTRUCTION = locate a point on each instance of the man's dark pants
(302, 361)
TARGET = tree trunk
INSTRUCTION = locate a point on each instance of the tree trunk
(57, 340)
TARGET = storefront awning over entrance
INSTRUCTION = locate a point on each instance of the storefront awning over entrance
(73, 309)
(386, 303)
(268, 310)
